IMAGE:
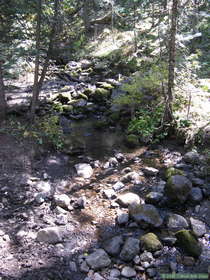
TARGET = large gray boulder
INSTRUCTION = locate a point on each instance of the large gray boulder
(98, 259)
(178, 188)
(130, 249)
(146, 215)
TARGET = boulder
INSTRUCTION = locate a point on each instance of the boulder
(146, 214)
(130, 249)
(178, 188)
(187, 241)
(84, 170)
(150, 242)
(98, 259)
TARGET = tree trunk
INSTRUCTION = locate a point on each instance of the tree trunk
(3, 104)
(171, 63)
(39, 82)
(37, 62)
(86, 17)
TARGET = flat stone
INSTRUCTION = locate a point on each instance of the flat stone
(130, 249)
(99, 259)
(113, 245)
(51, 235)
(198, 227)
(128, 272)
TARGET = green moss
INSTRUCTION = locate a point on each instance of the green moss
(150, 242)
(187, 241)
(100, 124)
(132, 140)
(115, 116)
(82, 95)
(171, 171)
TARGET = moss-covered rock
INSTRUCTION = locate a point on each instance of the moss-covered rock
(89, 91)
(171, 171)
(178, 188)
(82, 95)
(101, 94)
(187, 241)
(150, 242)
(132, 140)
(67, 108)
(63, 97)
(105, 85)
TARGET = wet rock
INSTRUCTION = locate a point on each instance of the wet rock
(84, 170)
(109, 194)
(191, 157)
(130, 249)
(127, 199)
(99, 259)
(176, 222)
(195, 195)
(122, 218)
(145, 214)
(51, 235)
(118, 186)
(153, 197)
(198, 227)
(113, 246)
(128, 272)
(178, 188)
(62, 200)
(150, 171)
(187, 242)
(150, 242)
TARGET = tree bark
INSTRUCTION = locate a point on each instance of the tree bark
(39, 81)
(3, 104)
(37, 62)
(171, 62)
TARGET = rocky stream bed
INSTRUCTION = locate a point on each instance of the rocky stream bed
(99, 211)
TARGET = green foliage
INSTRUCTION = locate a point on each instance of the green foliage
(146, 124)
(45, 131)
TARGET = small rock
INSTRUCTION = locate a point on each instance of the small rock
(145, 215)
(198, 227)
(97, 276)
(84, 170)
(130, 249)
(51, 235)
(127, 199)
(109, 194)
(191, 157)
(188, 261)
(153, 197)
(198, 182)
(99, 259)
(62, 200)
(40, 197)
(119, 156)
(126, 170)
(106, 165)
(131, 177)
(150, 171)
(73, 266)
(114, 272)
(170, 241)
(151, 272)
(176, 222)
(113, 162)
(137, 259)
(118, 186)
(61, 219)
(146, 257)
(150, 242)
(81, 202)
(122, 218)
(128, 272)
(188, 243)
(195, 195)
(84, 267)
(112, 246)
